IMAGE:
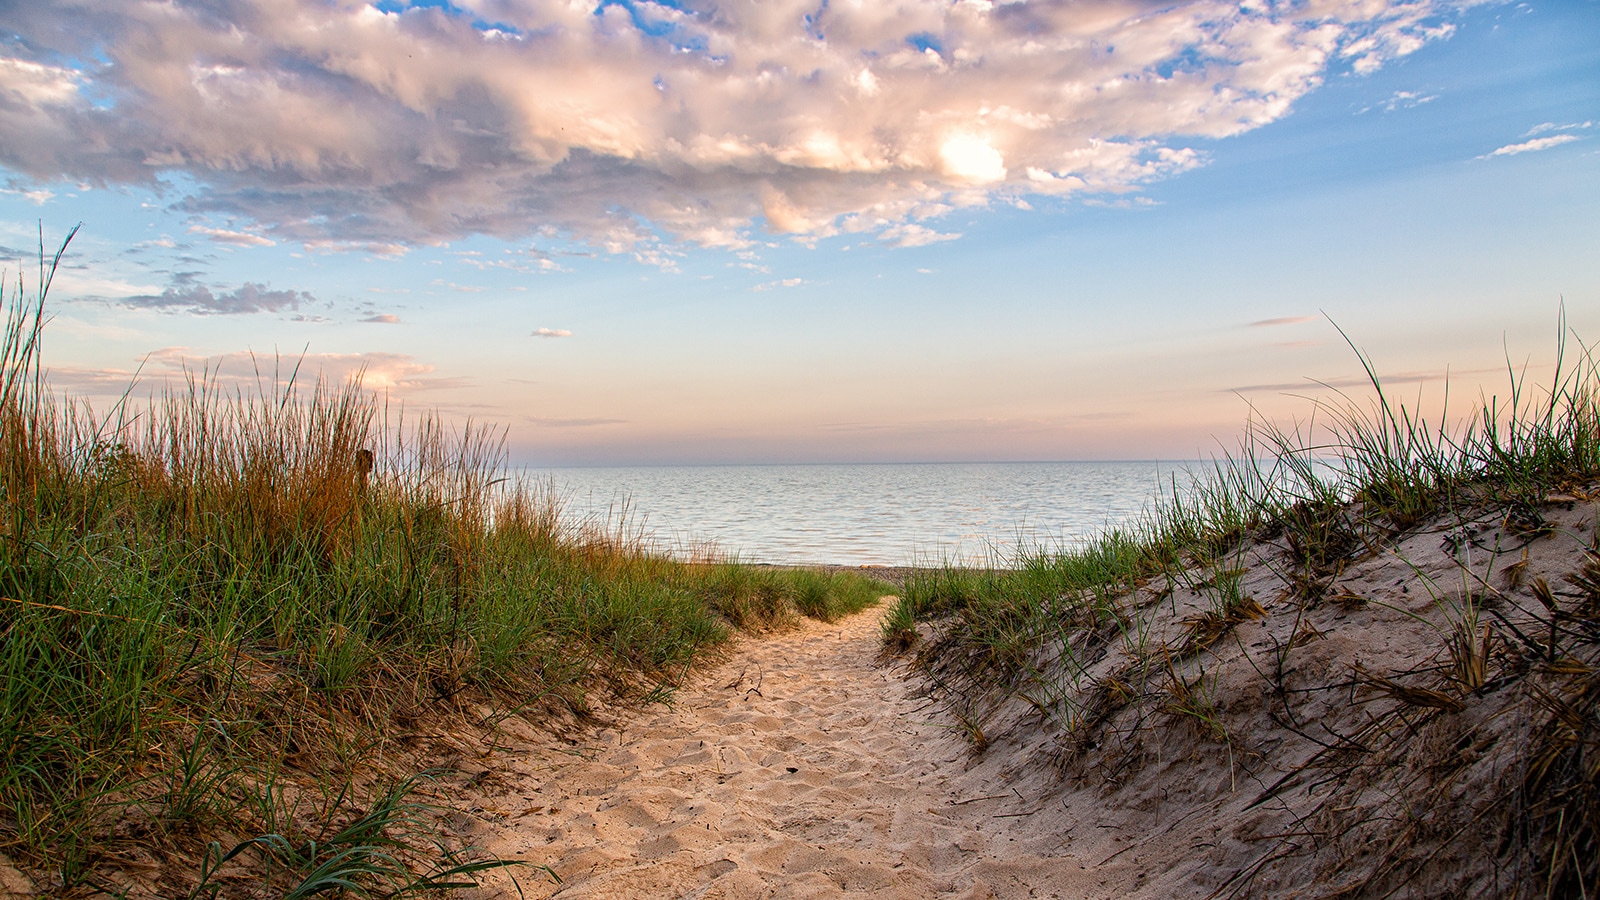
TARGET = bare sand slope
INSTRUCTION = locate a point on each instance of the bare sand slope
(799, 768)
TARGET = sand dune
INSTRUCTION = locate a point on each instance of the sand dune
(801, 767)
(1317, 745)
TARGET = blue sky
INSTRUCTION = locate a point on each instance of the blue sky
(681, 233)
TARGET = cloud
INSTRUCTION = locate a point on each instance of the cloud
(393, 373)
(187, 293)
(1544, 143)
(571, 423)
(1357, 381)
(237, 238)
(1403, 100)
(990, 425)
(1283, 320)
(169, 366)
(91, 382)
(37, 197)
(524, 262)
(383, 319)
(389, 249)
(911, 234)
(552, 333)
(634, 126)
(1544, 127)
(782, 283)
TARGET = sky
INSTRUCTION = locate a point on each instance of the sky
(821, 231)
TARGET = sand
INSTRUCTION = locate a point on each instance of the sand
(807, 765)
(1321, 745)
(803, 766)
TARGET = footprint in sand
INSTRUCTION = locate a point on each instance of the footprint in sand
(798, 768)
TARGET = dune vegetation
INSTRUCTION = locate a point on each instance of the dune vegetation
(233, 619)
(1366, 648)
(243, 625)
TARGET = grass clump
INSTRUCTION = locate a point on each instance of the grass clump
(1473, 761)
(229, 611)
(364, 858)
(830, 596)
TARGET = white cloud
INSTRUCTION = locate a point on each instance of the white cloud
(552, 333)
(782, 283)
(970, 159)
(1404, 100)
(524, 263)
(37, 197)
(344, 127)
(1543, 127)
(1534, 145)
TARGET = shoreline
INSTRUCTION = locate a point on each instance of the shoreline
(895, 575)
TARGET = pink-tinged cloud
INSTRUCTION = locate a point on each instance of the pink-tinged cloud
(383, 319)
(392, 373)
(544, 422)
(237, 238)
(80, 381)
(348, 127)
(1357, 381)
(389, 249)
(552, 333)
(1283, 320)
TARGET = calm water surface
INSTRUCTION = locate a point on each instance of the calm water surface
(883, 514)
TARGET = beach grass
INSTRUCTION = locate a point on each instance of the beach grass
(229, 612)
(1096, 644)
(1365, 471)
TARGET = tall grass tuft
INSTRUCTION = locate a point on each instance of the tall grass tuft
(224, 609)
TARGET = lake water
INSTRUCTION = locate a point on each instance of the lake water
(879, 514)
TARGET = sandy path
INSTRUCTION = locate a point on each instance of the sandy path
(799, 768)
